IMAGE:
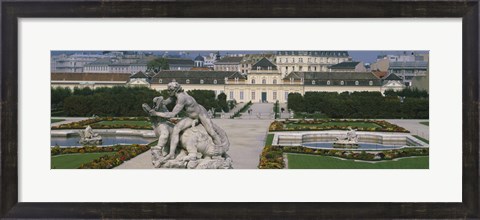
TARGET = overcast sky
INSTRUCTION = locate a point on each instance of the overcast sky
(367, 56)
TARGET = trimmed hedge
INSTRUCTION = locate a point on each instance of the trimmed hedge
(384, 125)
(361, 104)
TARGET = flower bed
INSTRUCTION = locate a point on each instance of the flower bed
(315, 125)
(92, 122)
(272, 156)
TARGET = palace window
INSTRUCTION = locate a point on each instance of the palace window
(342, 83)
(214, 81)
(300, 60)
(313, 82)
(356, 83)
(370, 83)
(201, 81)
(264, 81)
(231, 94)
(241, 95)
(187, 81)
(274, 95)
(274, 81)
(253, 81)
(253, 95)
(328, 82)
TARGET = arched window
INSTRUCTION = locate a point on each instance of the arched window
(328, 82)
(214, 81)
(201, 81)
(274, 81)
(370, 83)
(187, 81)
(253, 81)
(342, 83)
(313, 82)
(356, 83)
(264, 81)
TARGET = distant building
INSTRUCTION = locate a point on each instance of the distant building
(71, 63)
(180, 64)
(228, 64)
(199, 61)
(407, 70)
(380, 65)
(250, 59)
(308, 61)
(392, 82)
(118, 65)
(350, 66)
(139, 79)
(210, 60)
(91, 80)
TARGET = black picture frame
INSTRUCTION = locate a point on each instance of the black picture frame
(12, 10)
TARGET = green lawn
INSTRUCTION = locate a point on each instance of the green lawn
(302, 161)
(56, 120)
(425, 123)
(269, 140)
(135, 123)
(73, 161)
(340, 123)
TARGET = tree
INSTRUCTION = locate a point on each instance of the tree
(222, 102)
(158, 64)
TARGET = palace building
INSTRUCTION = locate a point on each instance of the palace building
(264, 83)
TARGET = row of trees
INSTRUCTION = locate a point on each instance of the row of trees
(122, 101)
(361, 104)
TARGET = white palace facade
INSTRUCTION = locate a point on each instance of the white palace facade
(264, 83)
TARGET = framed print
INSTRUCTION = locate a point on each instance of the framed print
(240, 109)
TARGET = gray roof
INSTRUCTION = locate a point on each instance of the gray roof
(139, 74)
(409, 65)
(333, 75)
(194, 77)
(336, 78)
(180, 62)
(392, 77)
(230, 60)
(264, 64)
(345, 65)
(199, 58)
(315, 53)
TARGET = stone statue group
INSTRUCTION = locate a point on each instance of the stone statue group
(194, 142)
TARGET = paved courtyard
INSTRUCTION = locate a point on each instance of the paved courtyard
(247, 138)
(413, 125)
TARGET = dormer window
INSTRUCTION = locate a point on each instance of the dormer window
(259, 68)
(187, 81)
(370, 83)
(356, 83)
(328, 82)
(201, 81)
(313, 82)
(214, 81)
(342, 83)
(160, 81)
(269, 68)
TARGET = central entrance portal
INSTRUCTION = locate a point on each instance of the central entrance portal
(264, 96)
